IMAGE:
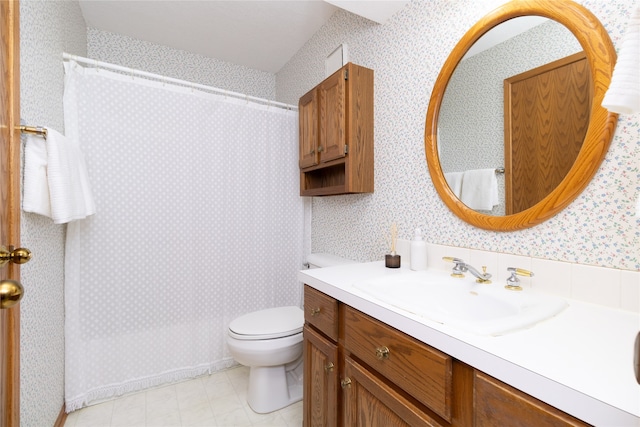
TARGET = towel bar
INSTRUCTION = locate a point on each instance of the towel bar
(37, 130)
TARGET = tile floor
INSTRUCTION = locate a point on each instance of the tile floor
(211, 400)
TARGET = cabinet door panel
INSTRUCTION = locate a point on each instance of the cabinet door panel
(369, 402)
(308, 121)
(320, 401)
(332, 117)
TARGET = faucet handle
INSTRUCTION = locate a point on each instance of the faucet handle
(485, 276)
(513, 283)
(458, 269)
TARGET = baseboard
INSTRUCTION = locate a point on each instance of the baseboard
(62, 417)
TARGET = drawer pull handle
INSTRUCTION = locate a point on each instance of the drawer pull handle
(328, 367)
(346, 382)
(382, 353)
(315, 311)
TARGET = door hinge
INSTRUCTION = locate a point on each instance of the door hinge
(346, 74)
(346, 149)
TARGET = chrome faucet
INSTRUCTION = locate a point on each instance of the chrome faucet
(462, 267)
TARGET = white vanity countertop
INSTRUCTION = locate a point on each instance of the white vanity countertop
(580, 361)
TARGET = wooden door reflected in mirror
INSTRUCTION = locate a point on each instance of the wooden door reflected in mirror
(546, 115)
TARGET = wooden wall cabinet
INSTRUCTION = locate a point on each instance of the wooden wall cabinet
(336, 134)
(361, 372)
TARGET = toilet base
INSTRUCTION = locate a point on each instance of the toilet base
(274, 387)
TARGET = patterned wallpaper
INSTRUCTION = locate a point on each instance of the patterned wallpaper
(599, 228)
(47, 28)
(141, 55)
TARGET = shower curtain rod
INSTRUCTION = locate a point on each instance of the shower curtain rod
(131, 71)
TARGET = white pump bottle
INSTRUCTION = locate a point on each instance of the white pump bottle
(418, 251)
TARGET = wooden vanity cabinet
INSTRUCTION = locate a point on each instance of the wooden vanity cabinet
(362, 372)
(336, 134)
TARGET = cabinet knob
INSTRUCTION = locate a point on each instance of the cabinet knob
(320, 149)
(382, 353)
(346, 382)
(328, 367)
(315, 311)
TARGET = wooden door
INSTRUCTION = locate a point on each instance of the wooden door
(320, 404)
(332, 96)
(546, 118)
(9, 206)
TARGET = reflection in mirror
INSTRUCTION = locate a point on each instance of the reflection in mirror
(471, 135)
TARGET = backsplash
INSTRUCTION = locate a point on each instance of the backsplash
(610, 287)
(600, 228)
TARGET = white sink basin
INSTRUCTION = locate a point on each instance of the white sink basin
(483, 309)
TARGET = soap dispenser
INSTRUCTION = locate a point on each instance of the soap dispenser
(418, 251)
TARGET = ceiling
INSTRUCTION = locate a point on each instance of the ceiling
(261, 34)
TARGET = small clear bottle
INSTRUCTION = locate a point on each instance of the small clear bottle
(418, 251)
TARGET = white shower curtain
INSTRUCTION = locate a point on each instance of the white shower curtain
(198, 220)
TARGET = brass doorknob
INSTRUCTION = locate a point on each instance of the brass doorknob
(16, 256)
(10, 293)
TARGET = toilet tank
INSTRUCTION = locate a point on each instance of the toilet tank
(321, 260)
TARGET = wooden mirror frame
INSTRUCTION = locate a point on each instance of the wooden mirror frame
(601, 57)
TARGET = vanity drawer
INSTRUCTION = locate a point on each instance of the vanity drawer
(423, 372)
(321, 311)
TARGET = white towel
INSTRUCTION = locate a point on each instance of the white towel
(35, 186)
(623, 95)
(480, 189)
(69, 187)
(454, 179)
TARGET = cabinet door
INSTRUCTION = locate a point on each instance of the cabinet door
(497, 403)
(331, 93)
(370, 402)
(320, 397)
(308, 119)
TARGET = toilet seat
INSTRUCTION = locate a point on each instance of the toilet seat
(267, 324)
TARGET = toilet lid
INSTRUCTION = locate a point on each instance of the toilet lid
(270, 323)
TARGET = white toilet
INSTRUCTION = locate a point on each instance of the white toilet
(270, 343)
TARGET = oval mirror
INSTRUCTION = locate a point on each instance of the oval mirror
(524, 157)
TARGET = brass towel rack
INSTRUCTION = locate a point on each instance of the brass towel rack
(36, 130)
